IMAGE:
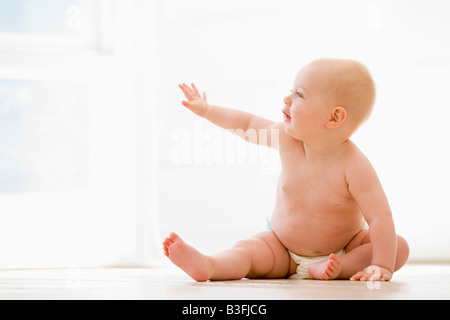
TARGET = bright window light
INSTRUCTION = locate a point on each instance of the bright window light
(54, 17)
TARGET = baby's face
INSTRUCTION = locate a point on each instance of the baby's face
(308, 107)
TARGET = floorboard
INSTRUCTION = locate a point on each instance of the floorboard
(414, 281)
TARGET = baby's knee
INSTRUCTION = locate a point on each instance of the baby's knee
(248, 244)
(402, 252)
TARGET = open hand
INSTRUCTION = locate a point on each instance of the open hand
(373, 273)
(195, 102)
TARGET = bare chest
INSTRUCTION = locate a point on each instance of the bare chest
(315, 188)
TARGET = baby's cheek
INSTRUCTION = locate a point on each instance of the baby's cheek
(298, 118)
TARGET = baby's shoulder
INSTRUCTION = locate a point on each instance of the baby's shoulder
(353, 153)
(355, 160)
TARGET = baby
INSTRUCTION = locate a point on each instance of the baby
(327, 190)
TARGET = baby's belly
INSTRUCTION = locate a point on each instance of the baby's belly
(309, 234)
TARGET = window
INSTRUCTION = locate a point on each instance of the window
(48, 17)
(69, 100)
(51, 26)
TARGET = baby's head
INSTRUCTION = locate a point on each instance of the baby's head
(330, 98)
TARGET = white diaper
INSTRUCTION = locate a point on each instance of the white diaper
(305, 262)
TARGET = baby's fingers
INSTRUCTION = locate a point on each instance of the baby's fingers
(357, 276)
(188, 93)
(374, 277)
(195, 90)
(386, 277)
(197, 93)
(186, 104)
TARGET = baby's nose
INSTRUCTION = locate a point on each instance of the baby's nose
(287, 101)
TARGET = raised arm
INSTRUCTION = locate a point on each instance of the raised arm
(252, 128)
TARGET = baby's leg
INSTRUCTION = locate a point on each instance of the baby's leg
(262, 256)
(358, 256)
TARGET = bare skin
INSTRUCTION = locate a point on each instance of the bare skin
(326, 192)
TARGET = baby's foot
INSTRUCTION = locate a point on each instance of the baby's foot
(327, 269)
(195, 264)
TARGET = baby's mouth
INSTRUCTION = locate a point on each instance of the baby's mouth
(286, 116)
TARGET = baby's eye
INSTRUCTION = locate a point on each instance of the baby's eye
(298, 93)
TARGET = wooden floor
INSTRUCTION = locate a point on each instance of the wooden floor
(424, 281)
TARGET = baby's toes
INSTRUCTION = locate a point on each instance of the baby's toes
(167, 242)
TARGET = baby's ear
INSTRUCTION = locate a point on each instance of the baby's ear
(337, 117)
